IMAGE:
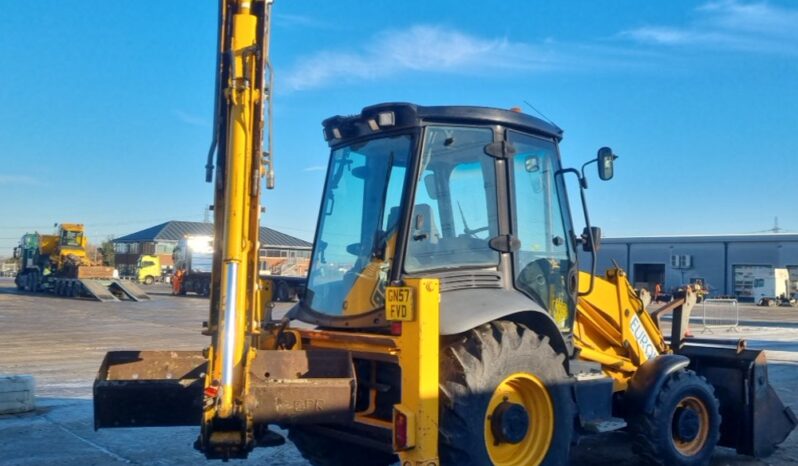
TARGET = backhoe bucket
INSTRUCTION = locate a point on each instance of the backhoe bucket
(754, 419)
(149, 389)
(302, 387)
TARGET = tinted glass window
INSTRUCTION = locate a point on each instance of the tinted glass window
(356, 232)
(454, 211)
(544, 259)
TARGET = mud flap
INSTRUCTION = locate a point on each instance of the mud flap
(149, 389)
(754, 419)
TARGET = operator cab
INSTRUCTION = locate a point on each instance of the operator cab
(70, 236)
(469, 195)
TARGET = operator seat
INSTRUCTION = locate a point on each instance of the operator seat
(424, 235)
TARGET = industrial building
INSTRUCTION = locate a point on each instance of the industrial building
(728, 264)
(279, 251)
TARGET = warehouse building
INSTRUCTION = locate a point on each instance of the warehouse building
(280, 253)
(730, 265)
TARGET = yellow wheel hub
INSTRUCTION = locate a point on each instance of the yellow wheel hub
(519, 422)
(690, 426)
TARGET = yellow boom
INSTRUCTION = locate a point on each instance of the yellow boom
(241, 162)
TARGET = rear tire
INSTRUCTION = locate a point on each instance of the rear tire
(684, 426)
(324, 451)
(35, 282)
(509, 361)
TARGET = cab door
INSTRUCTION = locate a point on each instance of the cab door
(544, 265)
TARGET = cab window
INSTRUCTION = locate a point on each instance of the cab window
(454, 211)
(543, 262)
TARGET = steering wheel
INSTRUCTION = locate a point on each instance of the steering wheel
(534, 279)
(473, 232)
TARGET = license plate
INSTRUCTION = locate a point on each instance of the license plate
(399, 303)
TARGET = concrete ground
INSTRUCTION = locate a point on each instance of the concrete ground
(61, 342)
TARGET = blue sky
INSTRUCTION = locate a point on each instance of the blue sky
(105, 107)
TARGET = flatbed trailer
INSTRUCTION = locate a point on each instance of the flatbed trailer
(58, 264)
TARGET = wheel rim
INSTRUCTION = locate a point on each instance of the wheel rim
(690, 426)
(519, 423)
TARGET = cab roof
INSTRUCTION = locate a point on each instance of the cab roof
(407, 115)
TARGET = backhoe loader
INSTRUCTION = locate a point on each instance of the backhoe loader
(445, 320)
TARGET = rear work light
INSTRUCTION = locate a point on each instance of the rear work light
(404, 428)
(396, 329)
(399, 431)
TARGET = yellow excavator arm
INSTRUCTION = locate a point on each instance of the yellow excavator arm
(242, 94)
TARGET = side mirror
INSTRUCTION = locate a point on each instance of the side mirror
(587, 246)
(16, 253)
(605, 163)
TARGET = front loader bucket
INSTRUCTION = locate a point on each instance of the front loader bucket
(149, 389)
(754, 419)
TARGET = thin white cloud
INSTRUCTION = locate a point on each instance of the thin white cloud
(419, 48)
(755, 27)
(661, 35)
(8, 180)
(190, 119)
(755, 16)
(314, 168)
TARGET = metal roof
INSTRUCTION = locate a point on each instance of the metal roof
(731, 238)
(175, 230)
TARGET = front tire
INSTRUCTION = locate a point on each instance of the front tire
(35, 280)
(148, 280)
(684, 426)
(505, 399)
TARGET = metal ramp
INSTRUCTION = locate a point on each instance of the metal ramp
(130, 289)
(97, 289)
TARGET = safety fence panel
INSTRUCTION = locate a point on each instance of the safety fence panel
(720, 314)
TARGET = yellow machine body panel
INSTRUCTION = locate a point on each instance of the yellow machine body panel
(368, 292)
(419, 347)
(613, 328)
(48, 244)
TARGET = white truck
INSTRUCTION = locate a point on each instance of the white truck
(766, 286)
(193, 259)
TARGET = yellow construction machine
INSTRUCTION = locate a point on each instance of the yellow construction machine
(445, 320)
(59, 264)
